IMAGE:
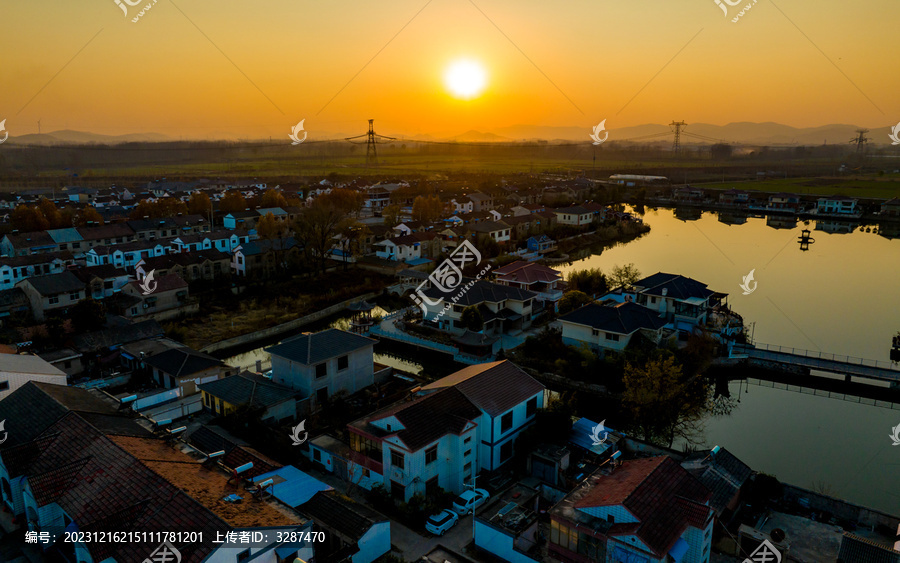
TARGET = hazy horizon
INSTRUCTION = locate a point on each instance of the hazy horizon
(221, 69)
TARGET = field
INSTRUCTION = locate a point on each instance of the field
(884, 187)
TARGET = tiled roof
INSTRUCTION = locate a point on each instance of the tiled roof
(527, 272)
(104, 271)
(623, 318)
(248, 389)
(317, 347)
(340, 513)
(857, 549)
(426, 419)
(33, 407)
(659, 493)
(484, 291)
(104, 488)
(54, 284)
(110, 231)
(29, 240)
(487, 227)
(676, 286)
(494, 387)
(31, 259)
(574, 210)
(180, 362)
(21, 363)
(241, 455)
(722, 473)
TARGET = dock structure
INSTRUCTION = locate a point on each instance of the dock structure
(848, 366)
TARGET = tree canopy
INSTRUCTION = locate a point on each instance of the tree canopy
(572, 300)
(623, 276)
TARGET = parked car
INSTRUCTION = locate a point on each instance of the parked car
(439, 523)
(470, 500)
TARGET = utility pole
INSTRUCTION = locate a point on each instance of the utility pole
(371, 140)
(860, 140)
(679, 125)
(474, 476)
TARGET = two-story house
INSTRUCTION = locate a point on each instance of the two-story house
(14, 269)
(186, 369)
(546, 282)
(456, 427)
(169, 298)
(54, 292)
(837, 205)
(406, 248)
(504, 309)
(682, 301)
(321, 364)
(649, 510)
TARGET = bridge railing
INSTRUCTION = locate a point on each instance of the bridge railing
(881, 364)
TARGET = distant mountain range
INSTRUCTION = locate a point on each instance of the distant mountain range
(694, 133)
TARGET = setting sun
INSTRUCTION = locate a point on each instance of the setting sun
(465, 79)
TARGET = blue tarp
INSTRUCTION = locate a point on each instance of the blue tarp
(418, 261)
(295, 487)
(679, 549)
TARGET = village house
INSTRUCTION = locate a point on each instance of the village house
(14, 269)
(52, 293)
(546, 282)
(18, 369)
(837, 205)
(186, 369)
(263, 257)
(611, 327)
(168, 300)
(504, 309)
(648, 509)
(253, 392)
(320, 364)
(577, 216)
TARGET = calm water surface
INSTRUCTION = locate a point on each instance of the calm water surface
(841, 296)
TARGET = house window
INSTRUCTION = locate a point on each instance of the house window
(467, 468)
(563, 536)
(398, 460)
(321, 370)
(206, 399)
(612, 336)
(506, 421)
(243, 556)
(506, 451)
(431, 454)
(322, 396)
(467, 440)
(317, 454)
(4, 385)
(653, 300)
(610, 518)
(343, 363)
(54, 300)
(531, 407)
(595, 332)
(468, 453)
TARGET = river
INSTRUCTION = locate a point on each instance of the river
(841, 296)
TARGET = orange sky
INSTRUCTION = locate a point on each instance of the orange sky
(163, 75)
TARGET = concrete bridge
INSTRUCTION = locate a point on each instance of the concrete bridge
(848, 366)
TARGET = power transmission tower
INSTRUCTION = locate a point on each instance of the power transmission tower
(860, 140)
(679, 125)
(372, 139)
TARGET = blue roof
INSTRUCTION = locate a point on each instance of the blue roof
(418, 261)
(581, 434)
(679, 549)
(295, 487)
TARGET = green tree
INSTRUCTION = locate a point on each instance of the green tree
(624, 276)
(272, 198)
(232, 202)
(199, 204)
(427, 208)
(591, 281)
(471, 318)
(662, 402)
(572, 300)
(391, 215)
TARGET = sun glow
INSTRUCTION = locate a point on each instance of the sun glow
(465, 79)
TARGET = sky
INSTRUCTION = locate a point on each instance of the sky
(237, 69)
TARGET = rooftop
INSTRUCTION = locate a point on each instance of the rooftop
(313, 348)
(622, 318)
(180, 362)
(484, 291)
(494, 387)
(340, 513)
(676, 286)
(54, 284)
(20, 363)
(248, 389)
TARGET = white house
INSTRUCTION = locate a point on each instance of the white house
(400, 249)
(17, 369)
(321, 364)
(462, 205)
(837, 205)
(456, 427)
(577, 216)
(14, 269)
(684, 302)
(124, 255)
(504, 309)
(606, 328)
